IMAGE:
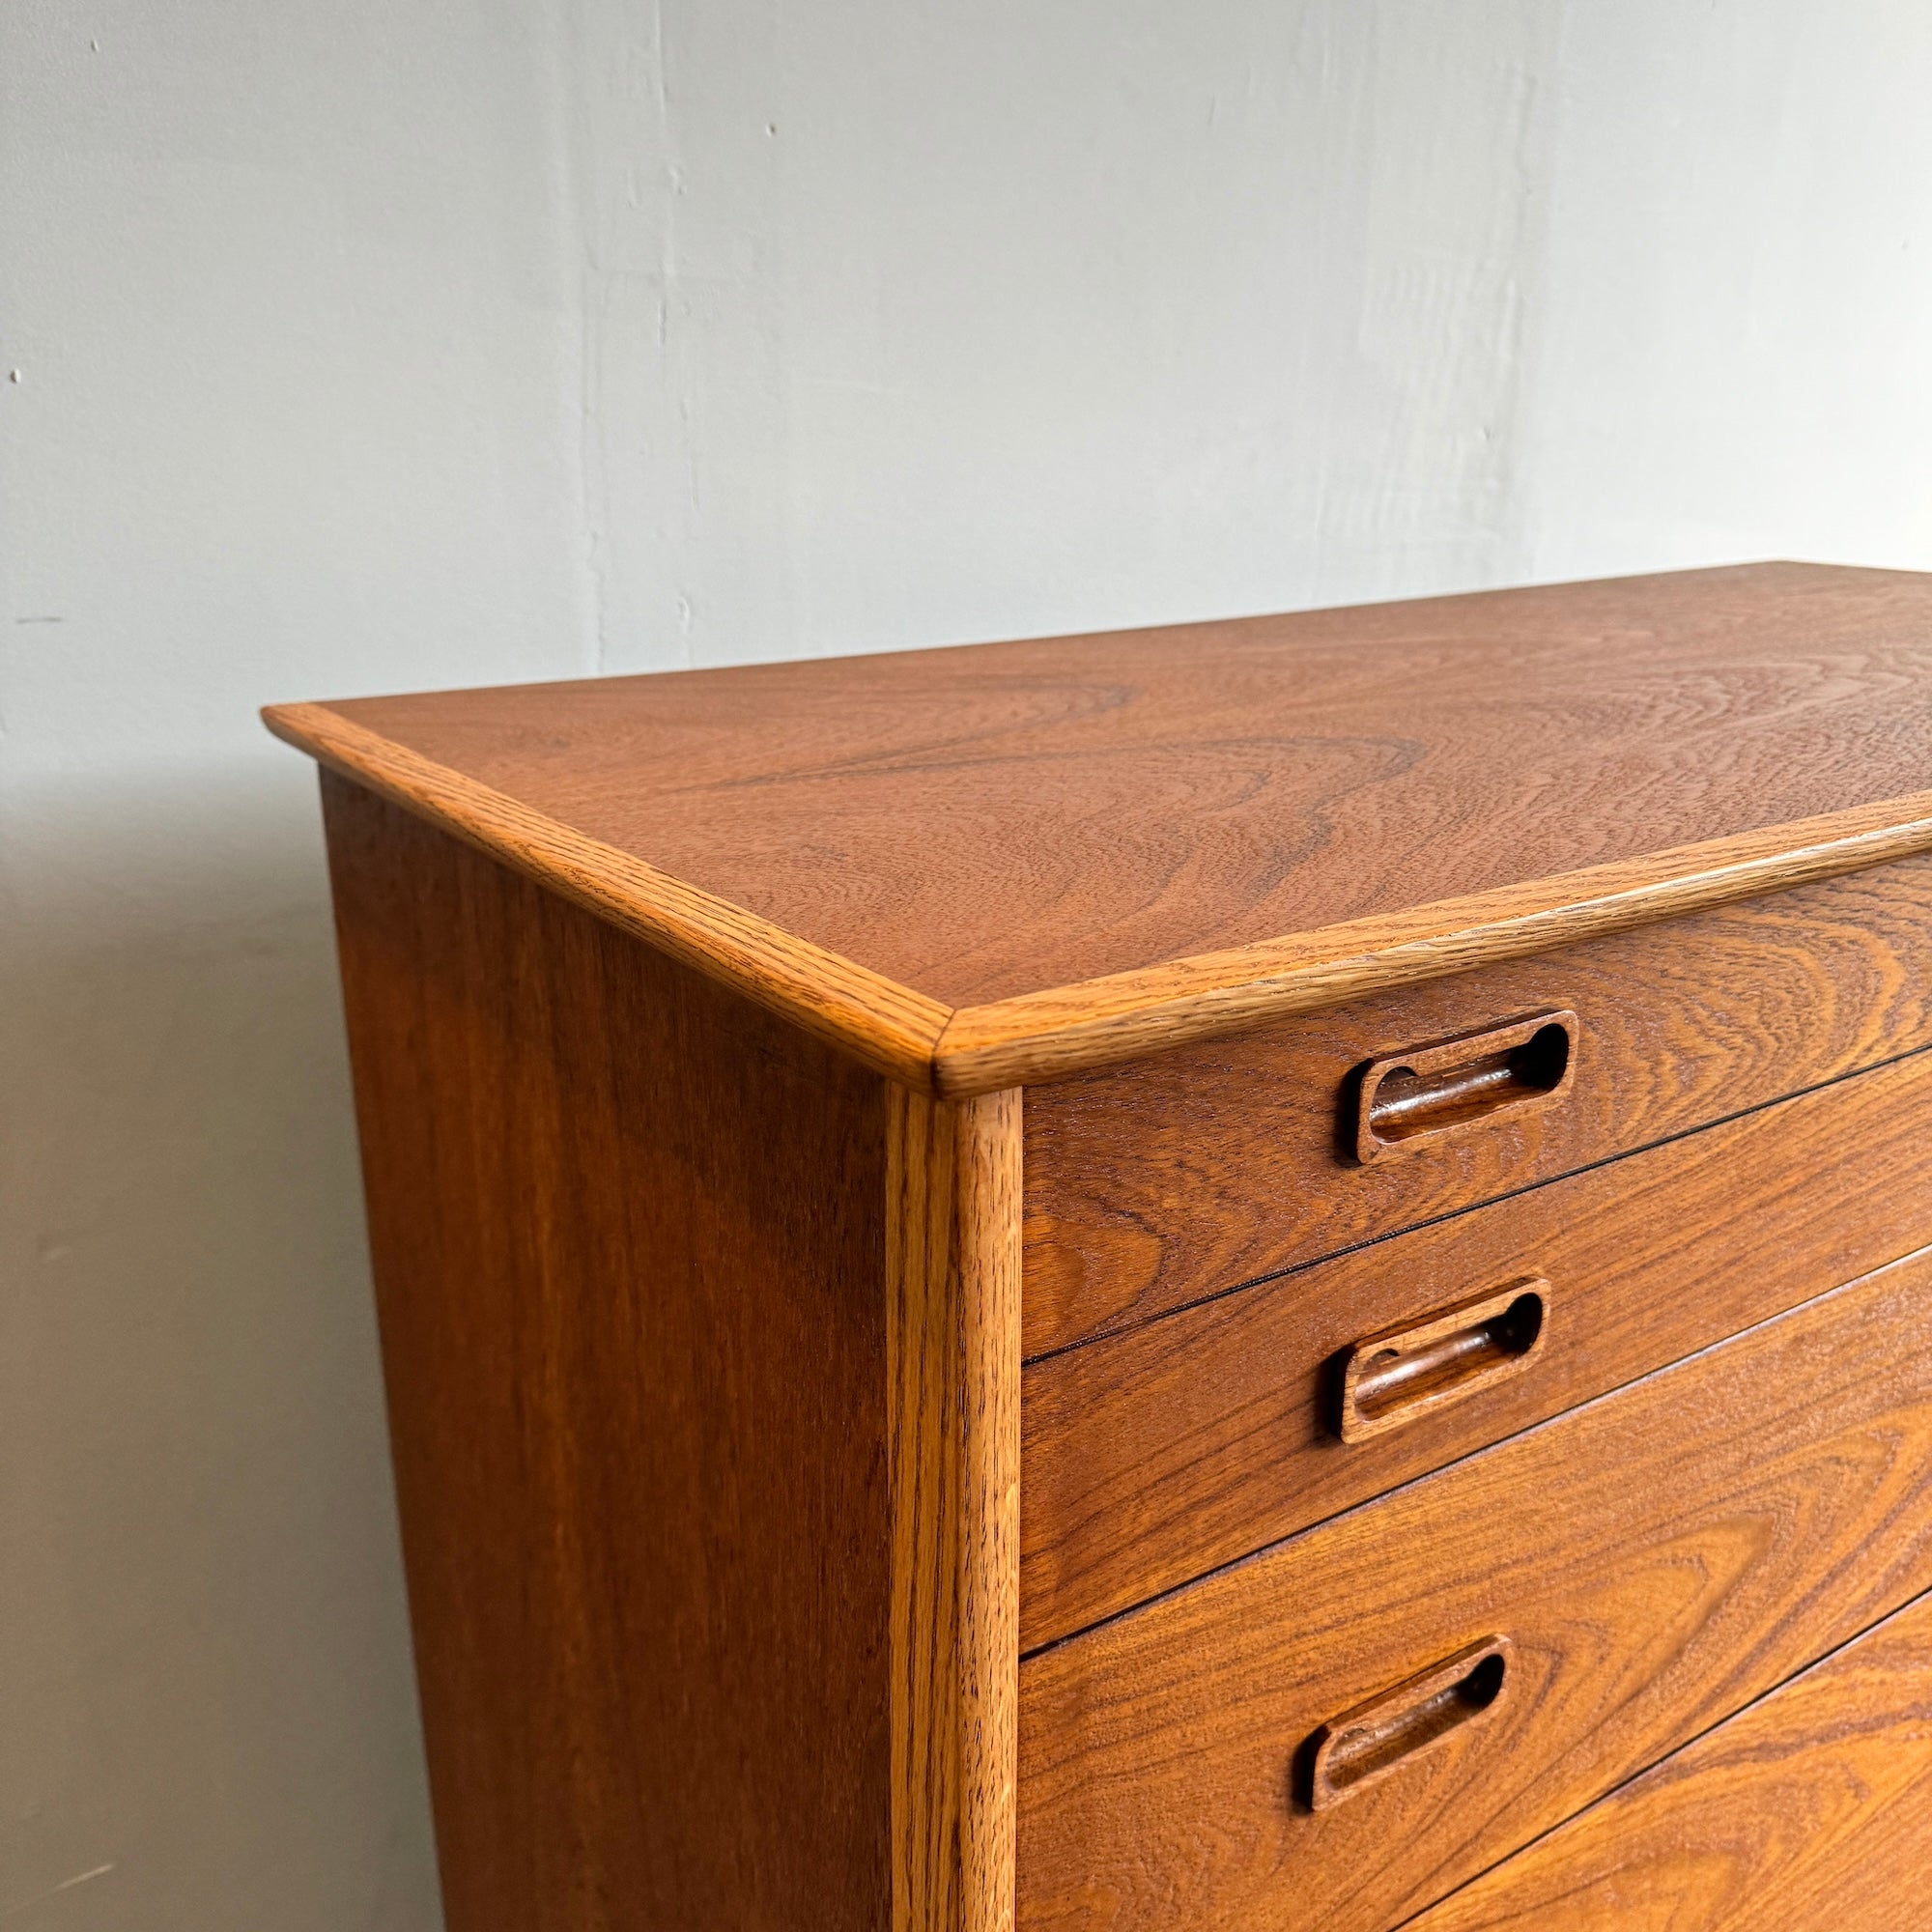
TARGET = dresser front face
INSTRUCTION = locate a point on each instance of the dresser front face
(1386, 1505)
(1654, 1561)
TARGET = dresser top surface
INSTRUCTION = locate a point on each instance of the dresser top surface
(992, 825)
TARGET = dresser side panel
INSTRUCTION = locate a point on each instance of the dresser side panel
(629, 1246)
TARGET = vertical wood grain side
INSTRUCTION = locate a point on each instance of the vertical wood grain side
(953, 1189)
(628, 1237)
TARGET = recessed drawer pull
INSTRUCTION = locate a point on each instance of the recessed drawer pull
(1399, 1373)
(1363, 1746)
(1410, 1098)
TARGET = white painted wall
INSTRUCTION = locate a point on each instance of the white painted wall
(380, 343)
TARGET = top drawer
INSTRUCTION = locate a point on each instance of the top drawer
(1154, 1184)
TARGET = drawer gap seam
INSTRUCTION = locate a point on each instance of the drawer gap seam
(1482, 1449)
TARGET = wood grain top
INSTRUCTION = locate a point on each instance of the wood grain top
(982, 866)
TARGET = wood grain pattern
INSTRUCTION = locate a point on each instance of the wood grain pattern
(1069, 851)
(1155, 1184)
(1153, 1458)
(884, 1025)
(953, 1232)
(629, 1244)
(1809, 1812)
(1659, 1559)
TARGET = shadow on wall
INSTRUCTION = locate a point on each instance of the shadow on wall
(200, 1615)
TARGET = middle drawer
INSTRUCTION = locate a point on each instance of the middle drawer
(1153, 1457)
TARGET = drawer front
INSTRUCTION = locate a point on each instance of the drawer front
(1811, 1811)
(1153, 1456)
(1155, 1183)
(1643, 1566)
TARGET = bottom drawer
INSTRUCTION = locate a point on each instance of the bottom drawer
(1811, 1811)
(1649, 1563)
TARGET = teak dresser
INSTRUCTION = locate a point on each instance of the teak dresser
(1269, 1274)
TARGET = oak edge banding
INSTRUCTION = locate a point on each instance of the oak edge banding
(1042, 1036)
(953, 1232)
(1035, 1037)
(887, 1025)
